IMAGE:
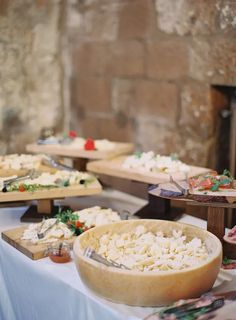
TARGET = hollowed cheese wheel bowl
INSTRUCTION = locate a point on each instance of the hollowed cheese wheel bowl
(147, 288)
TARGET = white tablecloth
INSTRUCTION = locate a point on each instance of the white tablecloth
(43, 290)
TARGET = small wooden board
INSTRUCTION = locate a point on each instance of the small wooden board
(223, 195)
(68, 151)
(224, 198)
(54, 193)
(33, 251)
(114, 168)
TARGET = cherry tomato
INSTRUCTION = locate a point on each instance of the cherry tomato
(72, 134)
(22, 188)
(78, 224)
(206, 183)
(89, 144)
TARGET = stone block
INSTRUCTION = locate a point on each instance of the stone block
(152, 134)
(197, 111)
(167, 59)
(106, 128)
(213, 60)
(89, 58)
(100, 22)
(136, 20)
(184, 17)
(3, 7)
(196, 152)
(157, 99)
(93, 94)
(125, 58)
(122, 95)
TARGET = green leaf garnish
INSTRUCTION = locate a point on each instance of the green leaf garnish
(227, 173)
(174, 156)
(226, 261)
(138, 154)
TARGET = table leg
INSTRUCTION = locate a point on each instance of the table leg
(44, 209)
(45, 206)
(216, 221)
(80, 164)
(155, 209)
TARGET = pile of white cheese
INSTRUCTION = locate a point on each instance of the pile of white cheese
(142, 250)
(151, 162)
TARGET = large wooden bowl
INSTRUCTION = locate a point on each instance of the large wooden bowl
(148, 288)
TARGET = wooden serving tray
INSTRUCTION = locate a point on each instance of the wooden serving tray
(224, 196)
(54, 193)
(67, 151)
(33, 251)
(113, 167)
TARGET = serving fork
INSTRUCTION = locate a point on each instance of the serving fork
(48, 161)
(31, 174)
(178, 186)
(41, 234)
(92, 254)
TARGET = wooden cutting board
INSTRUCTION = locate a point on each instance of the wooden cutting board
(53, 193)
(68, 151)
(33, 251)
(223, 195)
(114, 168)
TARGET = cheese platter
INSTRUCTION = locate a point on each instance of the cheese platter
(34, 240)
(207, 188)
(78, 151)
(116, 167)
(22, 179)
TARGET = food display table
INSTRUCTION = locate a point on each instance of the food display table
(44, 290)
(80, 156)
(156, 207)
(216, 218)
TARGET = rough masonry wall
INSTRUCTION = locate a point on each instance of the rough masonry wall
(30, 71)
(142, 71)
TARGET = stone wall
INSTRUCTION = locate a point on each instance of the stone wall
(142, 71)
(31, 95)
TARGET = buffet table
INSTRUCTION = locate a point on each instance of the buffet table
(33, 290)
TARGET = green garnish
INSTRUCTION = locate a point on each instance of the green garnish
(174, 156)
(69, 218)
(226, 261)
(216, 186)
(138, 154)
(65, 216)
(227, 174)
(29, 187)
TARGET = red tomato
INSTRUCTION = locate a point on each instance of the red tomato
(89, 144)
(72, 134)
(206, 183)
(21, 188)
(78, 224)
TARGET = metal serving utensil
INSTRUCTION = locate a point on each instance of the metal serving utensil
(178, 186)
(41, 234)
(92, 254)
(32, 174)
(48, 161)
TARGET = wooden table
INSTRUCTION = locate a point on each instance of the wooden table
(216, 218)
(80, 157)
(156, 208)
